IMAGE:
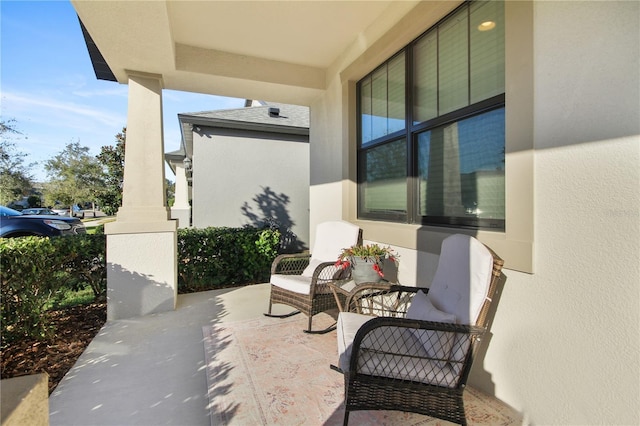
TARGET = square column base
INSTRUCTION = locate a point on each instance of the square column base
(142, 274)
(182, 215)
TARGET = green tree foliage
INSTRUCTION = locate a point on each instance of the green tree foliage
(170, 187)
(36, 271)
(15, 179)
(74, 176)
(111, 157)
(214, 257)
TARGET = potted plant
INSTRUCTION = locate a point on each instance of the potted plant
(365, 261)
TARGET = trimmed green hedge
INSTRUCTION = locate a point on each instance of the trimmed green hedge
(216, 257)
(35, 271)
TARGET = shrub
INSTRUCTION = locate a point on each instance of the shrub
(26, 285)
(83, 262)
(35, 271)
(219, 256)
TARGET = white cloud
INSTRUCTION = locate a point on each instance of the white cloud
(43, 105)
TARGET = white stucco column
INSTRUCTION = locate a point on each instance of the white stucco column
(142, 242)
(181, 209)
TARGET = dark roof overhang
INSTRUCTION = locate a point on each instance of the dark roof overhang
(100, 66)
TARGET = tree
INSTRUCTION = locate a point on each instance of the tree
(170, 188)
(15, 179)
(74, 176)
(112, 160)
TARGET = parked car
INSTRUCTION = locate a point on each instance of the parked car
(15, 224)
(74, 211)
(39, 210)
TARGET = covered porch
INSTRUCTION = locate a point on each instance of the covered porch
(152, 370)
(571, 152)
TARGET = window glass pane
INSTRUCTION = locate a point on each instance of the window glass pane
(396, 94)
(487, 50)
(365, 110)
(425, 69)
(453, 63)
(379, 103)
(461, 169)
(383, 184)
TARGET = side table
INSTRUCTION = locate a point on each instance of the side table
(342, 290)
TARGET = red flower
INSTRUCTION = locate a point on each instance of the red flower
(376, 268)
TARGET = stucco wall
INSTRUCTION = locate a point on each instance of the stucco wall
(233, 170)
(565, 340)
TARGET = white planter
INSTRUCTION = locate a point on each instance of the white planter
(362, 271)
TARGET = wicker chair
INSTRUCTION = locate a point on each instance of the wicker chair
(300, 280)
(415, 355)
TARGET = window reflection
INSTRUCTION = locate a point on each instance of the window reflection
(461, 168)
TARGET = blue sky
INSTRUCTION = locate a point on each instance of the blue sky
(48, 86)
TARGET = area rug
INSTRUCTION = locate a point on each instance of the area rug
(267, 371)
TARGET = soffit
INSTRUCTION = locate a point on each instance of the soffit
(309, 33)
(272, 50)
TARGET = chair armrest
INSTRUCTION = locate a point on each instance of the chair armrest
(381, 299)
(373, 340)
(290, 264)
(325, 273)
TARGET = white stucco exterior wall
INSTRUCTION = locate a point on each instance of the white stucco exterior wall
(181, 210)
(567, 338)
(565, 342)
(142, 279)
(328, 170)
(232, 168)
(142, 269)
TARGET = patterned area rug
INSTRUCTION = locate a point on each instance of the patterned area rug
(267, 372)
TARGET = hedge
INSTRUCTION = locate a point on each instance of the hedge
(34, 270)
(214, 257)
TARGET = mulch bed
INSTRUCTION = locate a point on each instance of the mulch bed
(75, 328)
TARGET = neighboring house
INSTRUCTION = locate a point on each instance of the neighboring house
(542, 97)
(245, 166)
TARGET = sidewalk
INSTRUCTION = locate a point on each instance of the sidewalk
(151, 370)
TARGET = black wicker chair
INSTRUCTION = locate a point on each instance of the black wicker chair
(300, 280)
(414, 355)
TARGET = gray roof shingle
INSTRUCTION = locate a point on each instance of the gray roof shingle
(289, 115)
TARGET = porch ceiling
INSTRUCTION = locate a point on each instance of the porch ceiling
(271, 50)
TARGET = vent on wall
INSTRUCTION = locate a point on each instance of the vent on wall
(274, 112)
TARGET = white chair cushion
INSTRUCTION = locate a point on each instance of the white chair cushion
(331, 238)
(438, 344)
(461, 282)
(309, 270)
(386, 360)
(297, 284)
(294, 283)
(348, 325)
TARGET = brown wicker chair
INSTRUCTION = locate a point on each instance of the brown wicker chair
(300, 280)
(399, 360)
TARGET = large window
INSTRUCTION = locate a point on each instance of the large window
(432, 126)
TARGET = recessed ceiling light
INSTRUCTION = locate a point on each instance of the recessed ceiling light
(486, 26)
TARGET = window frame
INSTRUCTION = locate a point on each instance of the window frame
(410, 134)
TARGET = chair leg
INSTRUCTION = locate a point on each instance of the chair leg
(290, 314)
(345, 422)
(324, 331)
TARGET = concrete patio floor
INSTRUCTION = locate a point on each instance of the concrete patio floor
(151, 370)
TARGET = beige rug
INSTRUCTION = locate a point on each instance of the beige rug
(268, 372)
